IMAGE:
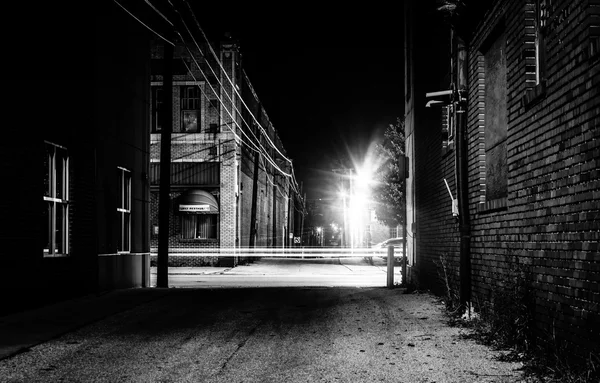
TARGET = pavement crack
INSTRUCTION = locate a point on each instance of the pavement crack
(340, 262)
(239, 346)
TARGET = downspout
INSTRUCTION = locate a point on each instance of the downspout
(462, 177)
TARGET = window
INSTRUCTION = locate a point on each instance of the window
(190, 109)
(447, 126)
(124, 210)
(56, 196)
(199, 226)
(537, 16)
(393, 232)
(541, 20)
(214, 116)
(496, 119)
(212, 150)
(157, 100)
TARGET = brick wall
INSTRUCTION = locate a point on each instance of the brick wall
(550, 222)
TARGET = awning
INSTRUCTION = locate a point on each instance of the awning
(197, 201)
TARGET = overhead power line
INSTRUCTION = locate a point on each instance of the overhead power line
(256, 148)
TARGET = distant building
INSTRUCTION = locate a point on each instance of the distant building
(75, 221)
(232, 185)
(524, 95)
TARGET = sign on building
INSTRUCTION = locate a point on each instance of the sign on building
(194, 208)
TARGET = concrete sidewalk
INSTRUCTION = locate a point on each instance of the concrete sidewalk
(23, 330)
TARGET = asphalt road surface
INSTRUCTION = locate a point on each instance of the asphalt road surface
(312, 334)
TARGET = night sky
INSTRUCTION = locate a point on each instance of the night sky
(330, 80)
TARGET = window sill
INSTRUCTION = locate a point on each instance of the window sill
(534, 95)
(449, 148)
(492, 206)
(54, 256)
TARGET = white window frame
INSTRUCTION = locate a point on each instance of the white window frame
(57, 206)
(124, 211)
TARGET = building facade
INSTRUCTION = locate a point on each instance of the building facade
(505, 158)
(231, 184)
(79, 215)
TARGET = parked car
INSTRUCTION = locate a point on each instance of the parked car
(397, 243)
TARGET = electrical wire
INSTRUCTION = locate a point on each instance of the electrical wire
(242, 131)
(230, 81)
(271, 161)
(256, 148)
(295, 183)
(214, 91)
(141, 22)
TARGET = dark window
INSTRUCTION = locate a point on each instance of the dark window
(214, 115)
(157, 100)
(200, 226)
(495, 118)
(190, 109)
(190, 98)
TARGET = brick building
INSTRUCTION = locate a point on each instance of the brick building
(76, 220)
(513, 128)
(232, 185)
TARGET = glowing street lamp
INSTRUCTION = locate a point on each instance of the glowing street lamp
(320, 236)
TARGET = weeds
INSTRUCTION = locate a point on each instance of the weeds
(504, 321)
(452, 301)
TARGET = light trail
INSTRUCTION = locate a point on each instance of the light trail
(281, 252)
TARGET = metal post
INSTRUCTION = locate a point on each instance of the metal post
(390, 266)
(404, 268)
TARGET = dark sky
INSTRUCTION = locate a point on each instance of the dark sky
(330, 79)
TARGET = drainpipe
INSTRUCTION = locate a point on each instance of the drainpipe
(462, 172)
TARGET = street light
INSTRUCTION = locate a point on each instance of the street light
(320, 236)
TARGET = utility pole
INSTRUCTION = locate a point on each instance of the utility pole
(302, 221)
(164, 203)
(290, 221)
(254, 198)
(274, 211)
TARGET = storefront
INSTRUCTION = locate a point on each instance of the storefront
(198, 213)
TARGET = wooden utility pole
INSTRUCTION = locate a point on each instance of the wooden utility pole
(274, 243)
(290, 222)
(164, 203)
(253, 225)
(302, 221)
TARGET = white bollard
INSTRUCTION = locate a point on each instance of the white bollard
(390, 266)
